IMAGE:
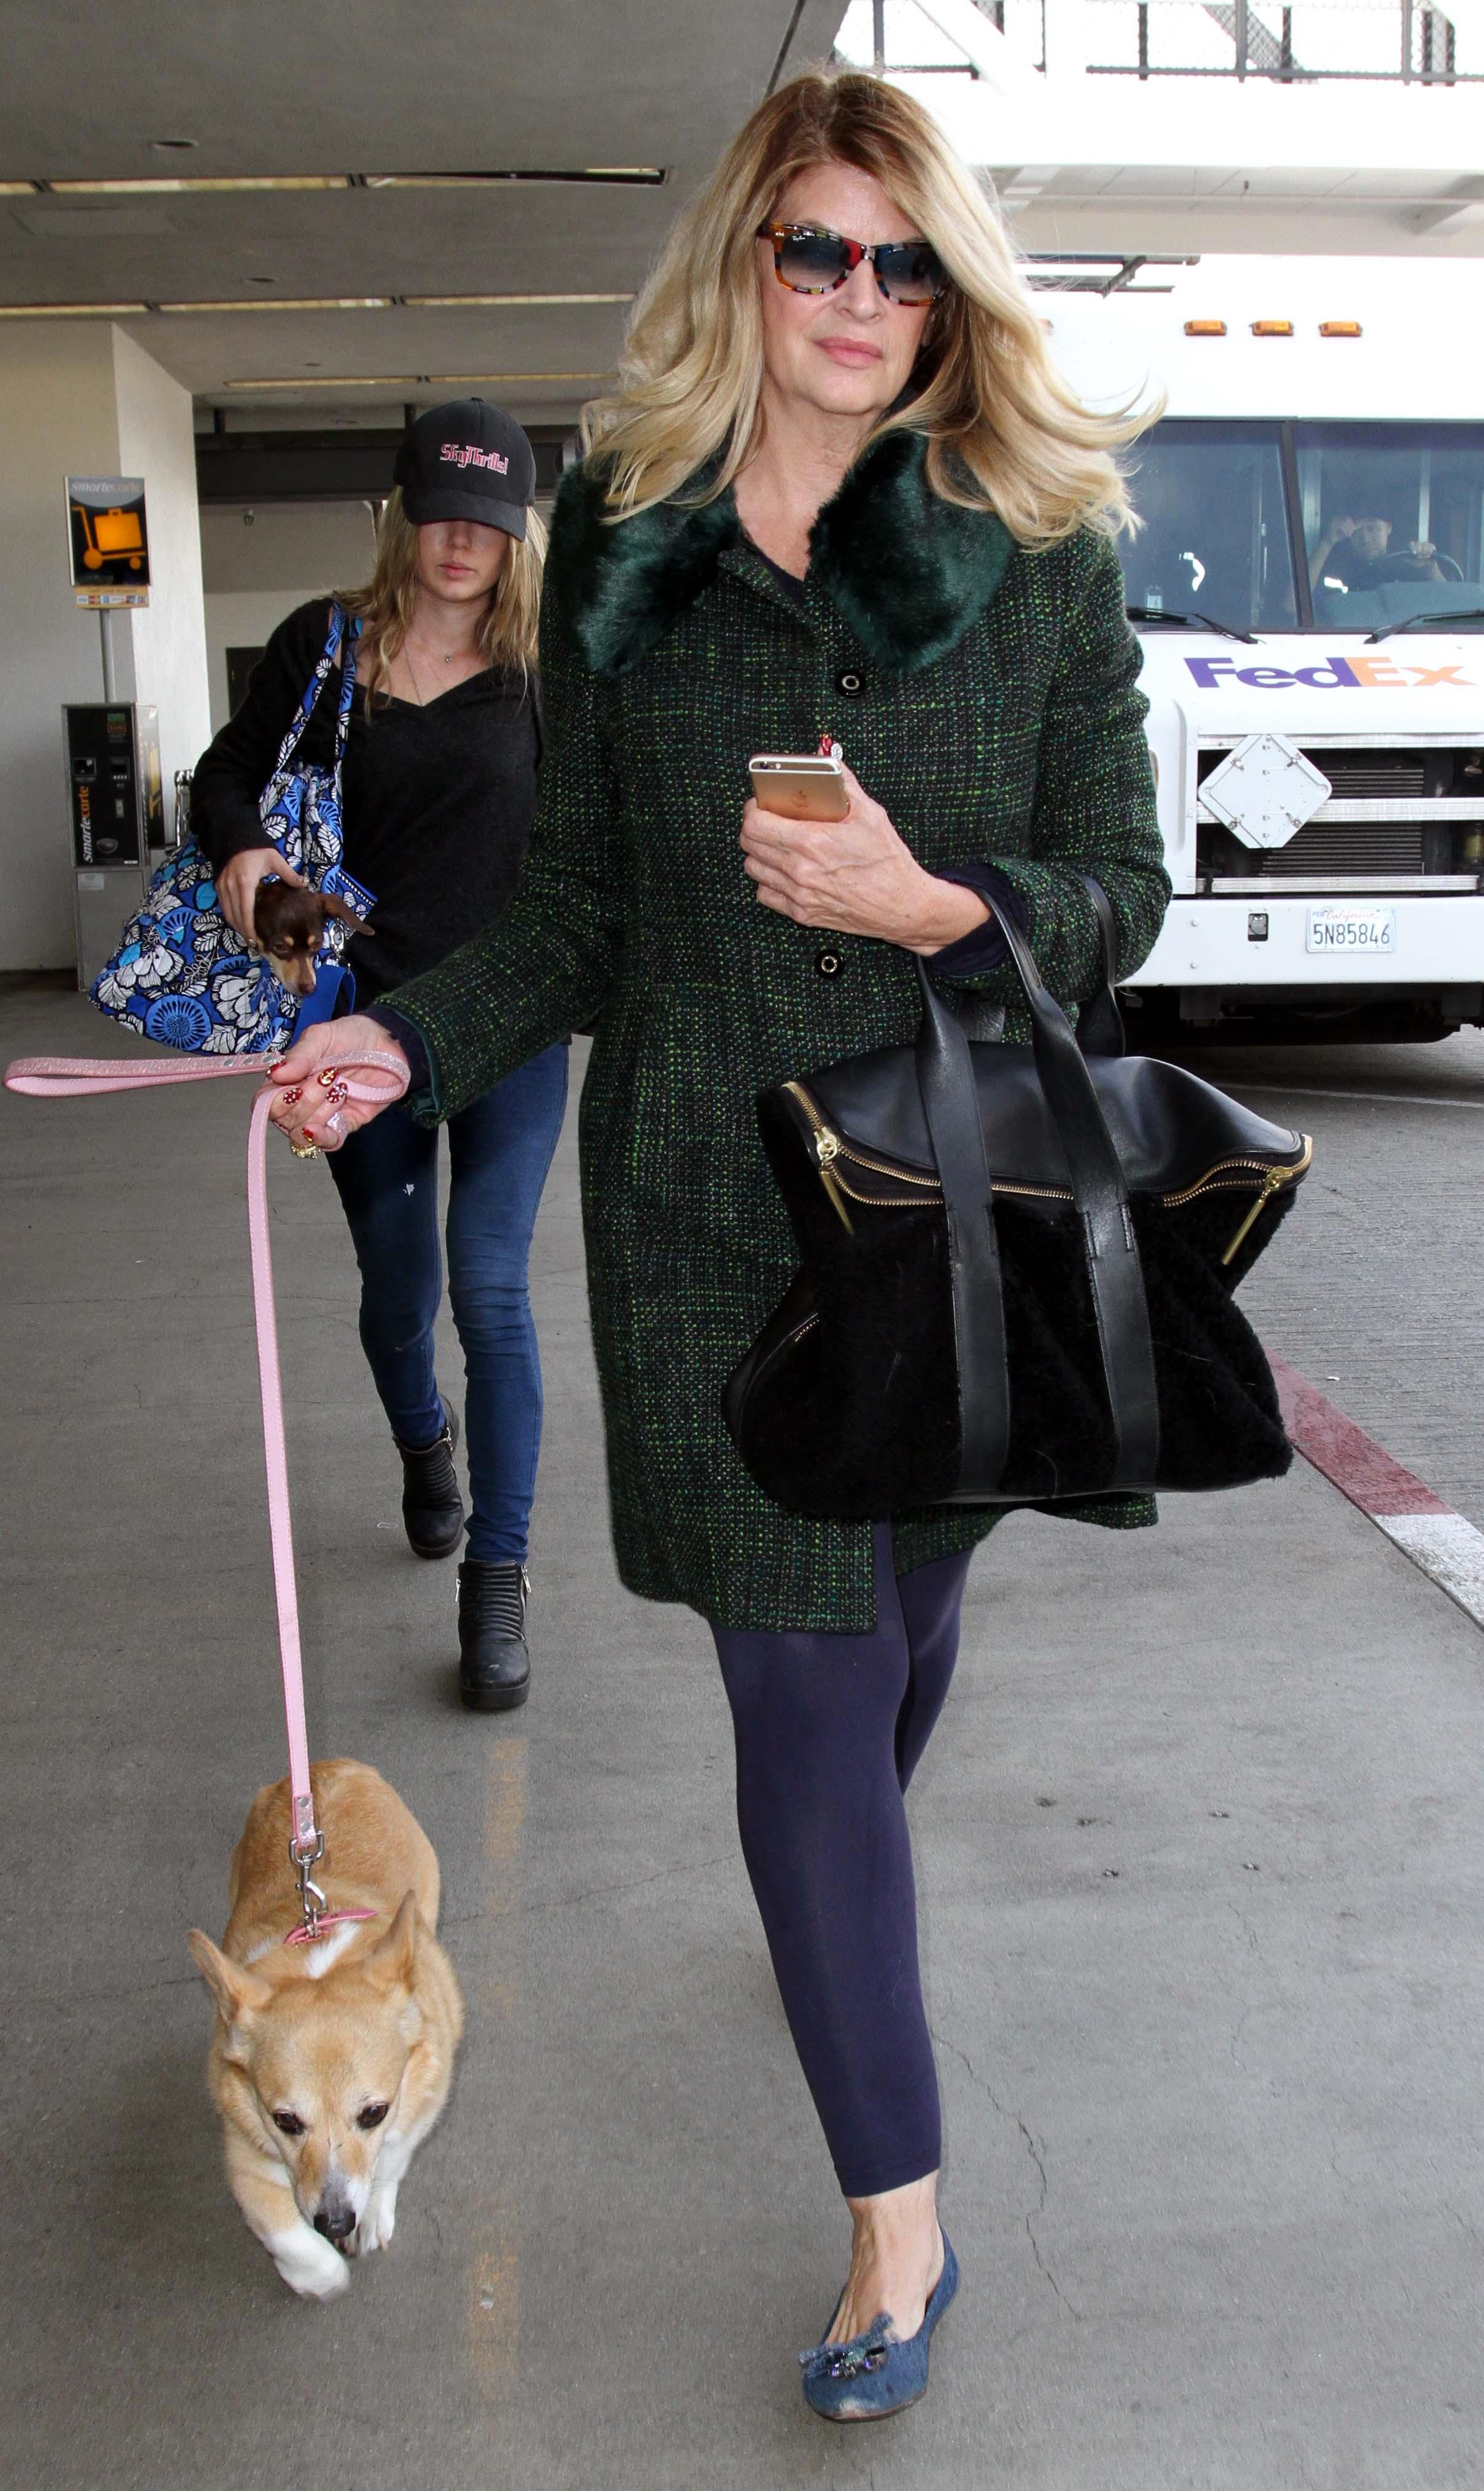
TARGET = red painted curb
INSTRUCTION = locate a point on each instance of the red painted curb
(1351, 1460)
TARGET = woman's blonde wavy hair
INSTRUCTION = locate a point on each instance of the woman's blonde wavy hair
(1004, 433)
(506, 635)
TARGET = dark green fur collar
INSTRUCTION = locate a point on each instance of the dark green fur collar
(908, 571)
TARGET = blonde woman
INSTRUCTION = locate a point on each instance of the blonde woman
(840, 497)
(439, 789)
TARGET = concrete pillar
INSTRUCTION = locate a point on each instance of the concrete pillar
(80, 398)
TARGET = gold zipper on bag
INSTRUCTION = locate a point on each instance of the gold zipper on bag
(1227, 1174)
(826, 1149)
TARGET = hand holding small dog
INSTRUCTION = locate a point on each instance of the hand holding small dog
(855, 876)
(237, 881)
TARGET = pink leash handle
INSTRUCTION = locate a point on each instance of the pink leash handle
(64, 1077)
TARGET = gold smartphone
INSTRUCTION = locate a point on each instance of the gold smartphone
(803, 786)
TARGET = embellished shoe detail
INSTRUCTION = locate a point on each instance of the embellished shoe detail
(862, 2354)
(874, 2374)
(432, 1509)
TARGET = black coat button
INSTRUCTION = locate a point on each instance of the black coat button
(828, 963)
(850, 684)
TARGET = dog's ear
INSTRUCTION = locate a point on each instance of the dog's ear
(395, 1956)
(236, 1991)
(342, 909)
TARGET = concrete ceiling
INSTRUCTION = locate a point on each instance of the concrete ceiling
(276, 87)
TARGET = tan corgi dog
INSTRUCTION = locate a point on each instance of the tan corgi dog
(330, 2062)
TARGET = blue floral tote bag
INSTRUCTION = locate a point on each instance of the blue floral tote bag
(181, 975)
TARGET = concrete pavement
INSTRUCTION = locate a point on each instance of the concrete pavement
(1200, 1858)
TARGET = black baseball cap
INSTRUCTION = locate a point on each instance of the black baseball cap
(467, 461)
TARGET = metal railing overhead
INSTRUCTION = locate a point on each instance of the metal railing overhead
(1393, 42)
(1406, 43)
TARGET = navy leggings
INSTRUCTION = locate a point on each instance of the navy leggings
(500, 1150)
(829, 1729)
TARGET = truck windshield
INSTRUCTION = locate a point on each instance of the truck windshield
(1215, 535)
(1391, 520)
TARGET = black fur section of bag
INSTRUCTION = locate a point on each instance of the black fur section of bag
(848, 1408)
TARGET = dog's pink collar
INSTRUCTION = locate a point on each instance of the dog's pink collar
(301, 1934)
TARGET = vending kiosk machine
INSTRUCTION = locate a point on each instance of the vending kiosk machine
(116, 809)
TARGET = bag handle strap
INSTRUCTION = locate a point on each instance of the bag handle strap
(1100, 1023)
(338, 637)
(977, 1288)
(950, 1104)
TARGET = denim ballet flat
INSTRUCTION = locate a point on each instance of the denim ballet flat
(873, 2374)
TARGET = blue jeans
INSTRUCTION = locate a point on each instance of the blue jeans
(387, 1177)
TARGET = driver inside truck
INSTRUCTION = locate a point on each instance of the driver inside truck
(1353, 553)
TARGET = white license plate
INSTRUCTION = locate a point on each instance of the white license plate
(1339, 929)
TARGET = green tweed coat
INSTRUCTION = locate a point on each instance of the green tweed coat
(988, 699)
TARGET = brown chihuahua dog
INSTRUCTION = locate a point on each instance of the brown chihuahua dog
(288, 927)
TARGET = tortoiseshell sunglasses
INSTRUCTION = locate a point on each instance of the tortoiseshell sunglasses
(809, 260)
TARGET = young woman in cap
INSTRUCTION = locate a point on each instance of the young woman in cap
(438, 788)
(841, 493)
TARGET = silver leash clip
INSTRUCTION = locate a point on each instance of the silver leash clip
(312, 1897)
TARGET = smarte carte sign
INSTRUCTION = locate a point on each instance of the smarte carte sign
(109, 540)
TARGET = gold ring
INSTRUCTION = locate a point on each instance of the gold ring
(305, 1150)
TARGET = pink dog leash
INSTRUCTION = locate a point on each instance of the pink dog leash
(62, 1076)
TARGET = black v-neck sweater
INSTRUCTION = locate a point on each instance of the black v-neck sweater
(438, 802)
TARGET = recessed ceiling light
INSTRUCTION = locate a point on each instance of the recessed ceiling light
(631, 176)
(73, 310)
(284, 302)
(18, 190)
(209, 182)
(640, 176)
(415, 380)
(339, 380)
(496, 302)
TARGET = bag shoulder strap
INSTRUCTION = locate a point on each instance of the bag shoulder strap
(331, 649)
(977, 1290)
(950, 1103)
(1100, 1023)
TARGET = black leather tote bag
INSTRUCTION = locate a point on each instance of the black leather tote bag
(1018, 1267)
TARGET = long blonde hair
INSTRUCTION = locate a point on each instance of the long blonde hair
(1004, 433)
(506, 636)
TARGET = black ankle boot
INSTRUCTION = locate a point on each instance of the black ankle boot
(432, 1509)
(494, 1666)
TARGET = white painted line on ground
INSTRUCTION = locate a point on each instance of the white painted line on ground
(1382, 1098)
(1443, 1545)
(1448, 1548)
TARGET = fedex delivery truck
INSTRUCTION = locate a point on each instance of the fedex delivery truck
(1308, 587)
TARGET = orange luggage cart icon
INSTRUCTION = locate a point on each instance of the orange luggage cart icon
(110, 536)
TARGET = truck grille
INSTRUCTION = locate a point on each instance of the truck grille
(1445, 837)
(1357, 774)
(1340, 847)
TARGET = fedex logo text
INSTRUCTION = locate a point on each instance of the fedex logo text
(464, 454)
(1335, 674)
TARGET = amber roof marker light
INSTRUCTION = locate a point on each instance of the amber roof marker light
(1340, 328)
(1273, 328)
(1205, 328)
